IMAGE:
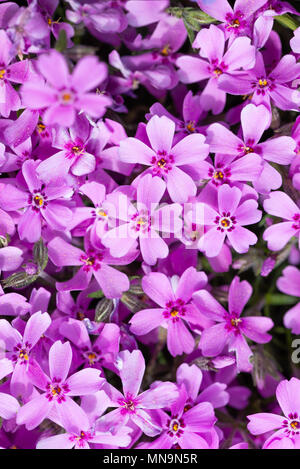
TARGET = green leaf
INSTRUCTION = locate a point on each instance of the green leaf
(132, 302)
(96, 294)
(40, 254)
(103, 310)
(61, 43)
(19, 280)
(287, 21)
(277, 299)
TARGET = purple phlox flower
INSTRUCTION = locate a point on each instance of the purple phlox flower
(277, 235)
(176, 309)
(237, 395)
(156, 75)
(191, 377)
(135, 407)
(15, 157)
(59, 390)
(73, 156)
(98, 218)
(87, 433)
(287, 435)
(145, 12)
(211, 42)
(63, 93)
(91, 262)
(42, 204)
(11, 257)
(13, 304)
(192, 113)
(187, 427)
(236, 21)
(9, 406)
(295, 41)
(225, 171)
(17, 72)
(226, 217)
(231, 328)
(289, 284)
(105, 20)
(254, 121)
(266, 87)
(19, 350)
(102, 352)
(166, 160)
(143, 222)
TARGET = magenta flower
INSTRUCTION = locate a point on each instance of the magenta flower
(226, 217)
(20, 350)
(187, 426)
(64, 94)
(58, 389)
(92, 262)
(231, 328)
(144, 221)
(211, 42)
(281, 205)
(287, 435)
(175, 308)
(102, 352)
(42, 204)
(9, 406)
(132, 406)
(235, 21)
(289, 284)
(254, 120)
(17, 72)
(166, 160)
(266, 87)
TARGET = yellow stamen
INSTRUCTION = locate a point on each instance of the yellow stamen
(2, 73)
(161, 163)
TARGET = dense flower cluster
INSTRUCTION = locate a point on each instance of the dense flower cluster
(149, 224)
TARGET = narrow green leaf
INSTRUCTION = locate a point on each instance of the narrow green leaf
(40, 254)
(287, 21)
(96, 294)
(103, 310)
(61, 43)
(19, 280)
(277, 299)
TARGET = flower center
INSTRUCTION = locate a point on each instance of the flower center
(292, 424)
(66, 97)
(191, 126)
(175, 427)
(38, 200)
(41, 127)
(2, 73)
(225, 221)
(217, 71)
(23, 355)
(128, 405)
(166, 50)
(57, 390)
(218, 175)
(262, 82)
(296, 219)
(174, 310)
(91, 261)
(141, 221)
(162, 163)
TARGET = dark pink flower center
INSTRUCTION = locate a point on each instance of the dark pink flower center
(233, 323)
(292, 424)
(175, 310)
(128, 404)
(141, 221)
(162, 163)
(91, 260)
(74, 149)
(56, 390)
(225, 222)
(175, 427)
